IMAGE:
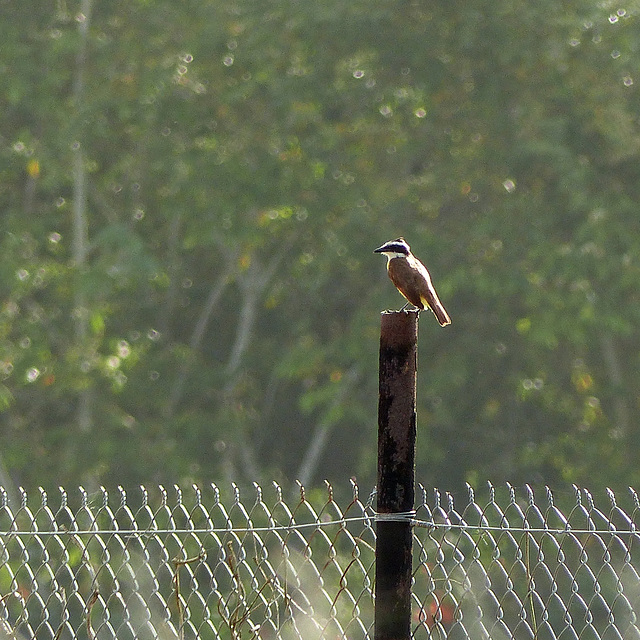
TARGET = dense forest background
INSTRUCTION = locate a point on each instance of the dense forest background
(191, 192)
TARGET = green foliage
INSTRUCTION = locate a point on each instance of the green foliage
(241, 162)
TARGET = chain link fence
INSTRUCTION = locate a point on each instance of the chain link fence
(202, 563)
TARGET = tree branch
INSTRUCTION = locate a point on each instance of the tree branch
(84, 415)
(320, 437)
(622, 415)
(215, 293)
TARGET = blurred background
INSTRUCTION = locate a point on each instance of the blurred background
(190, 196)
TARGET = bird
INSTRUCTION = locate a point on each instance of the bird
(412, 279)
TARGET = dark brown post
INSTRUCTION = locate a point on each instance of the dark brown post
(396, 460)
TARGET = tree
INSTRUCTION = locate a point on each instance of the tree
(231, 169)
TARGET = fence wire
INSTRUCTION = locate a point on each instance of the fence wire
(201, 563)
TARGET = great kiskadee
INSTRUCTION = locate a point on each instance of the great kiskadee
(412, 279)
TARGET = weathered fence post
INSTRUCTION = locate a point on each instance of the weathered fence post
(395, 486)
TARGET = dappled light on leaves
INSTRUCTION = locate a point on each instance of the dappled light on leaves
(189, 206)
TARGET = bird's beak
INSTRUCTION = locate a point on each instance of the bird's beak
(379, 249)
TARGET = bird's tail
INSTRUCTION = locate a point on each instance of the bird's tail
(439, 312)
(441, 315)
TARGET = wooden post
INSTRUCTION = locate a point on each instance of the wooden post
(396, 482)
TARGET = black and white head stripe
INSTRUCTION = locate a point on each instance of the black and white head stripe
(399, 245)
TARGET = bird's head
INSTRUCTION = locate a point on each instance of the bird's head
(397, 248)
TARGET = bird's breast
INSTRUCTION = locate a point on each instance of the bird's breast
(408, 279)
